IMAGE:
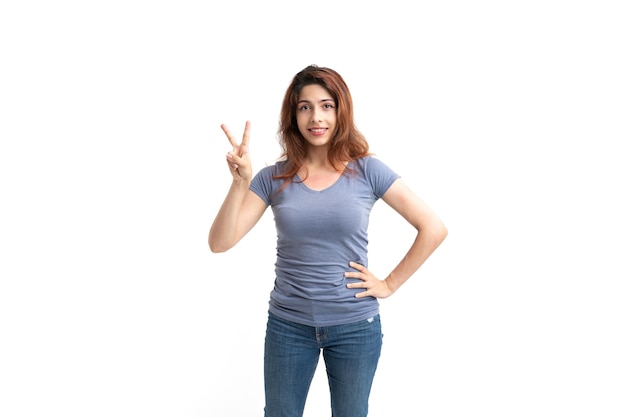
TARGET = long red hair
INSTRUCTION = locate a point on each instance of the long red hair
(347, 145)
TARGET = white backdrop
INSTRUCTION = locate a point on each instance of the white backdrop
(508, 118)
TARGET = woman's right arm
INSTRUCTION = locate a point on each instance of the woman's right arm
(240, 211)
(241, 208)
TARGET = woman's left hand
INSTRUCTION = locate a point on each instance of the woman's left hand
(373, 286)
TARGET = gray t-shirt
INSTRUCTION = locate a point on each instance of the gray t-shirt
(318, 234)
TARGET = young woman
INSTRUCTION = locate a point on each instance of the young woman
(321, 191)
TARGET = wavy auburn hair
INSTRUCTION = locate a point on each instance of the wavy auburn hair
(348, 143)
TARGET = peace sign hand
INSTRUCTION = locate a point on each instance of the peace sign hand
(238, 159)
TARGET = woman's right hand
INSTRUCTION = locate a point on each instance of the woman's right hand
(239, 159)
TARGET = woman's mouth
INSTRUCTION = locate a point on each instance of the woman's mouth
(318, 131)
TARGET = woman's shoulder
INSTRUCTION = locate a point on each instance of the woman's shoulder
(378, 173)
(273, 166)
(370, 161)
(271, 169)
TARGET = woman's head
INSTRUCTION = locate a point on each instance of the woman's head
(347, 143)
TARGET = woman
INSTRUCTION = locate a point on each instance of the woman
(321, 191)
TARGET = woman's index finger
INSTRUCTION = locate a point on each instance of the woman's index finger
(229, 135)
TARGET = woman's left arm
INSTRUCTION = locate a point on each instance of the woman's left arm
(430, 233)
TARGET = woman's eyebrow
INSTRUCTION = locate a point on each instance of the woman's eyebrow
(321, 101)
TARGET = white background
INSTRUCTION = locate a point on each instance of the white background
(508, 118)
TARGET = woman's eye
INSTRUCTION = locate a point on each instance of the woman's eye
(304, 107)
(329, 106)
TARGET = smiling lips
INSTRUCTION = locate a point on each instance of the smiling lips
(318, 131)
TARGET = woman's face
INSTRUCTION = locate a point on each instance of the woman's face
(316, 114)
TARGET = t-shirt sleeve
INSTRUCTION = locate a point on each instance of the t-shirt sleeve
(262, 184)
(379, 175)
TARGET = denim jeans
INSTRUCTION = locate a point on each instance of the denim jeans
(292, 351)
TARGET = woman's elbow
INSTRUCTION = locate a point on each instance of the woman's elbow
(217, 247)
(436, 232)
(441, 232)
(442, 229)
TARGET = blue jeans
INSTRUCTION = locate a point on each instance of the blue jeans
(292, 351)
